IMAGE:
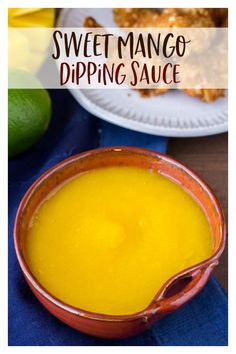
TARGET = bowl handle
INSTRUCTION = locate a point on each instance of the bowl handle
(165, 303)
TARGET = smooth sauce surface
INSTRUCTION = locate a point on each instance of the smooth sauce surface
(108, 240)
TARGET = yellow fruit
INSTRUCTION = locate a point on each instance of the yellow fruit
(30, 47)
(35, 17)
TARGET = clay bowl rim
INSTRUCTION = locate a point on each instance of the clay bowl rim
(148, 311)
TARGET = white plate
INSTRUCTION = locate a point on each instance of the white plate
(173, 114)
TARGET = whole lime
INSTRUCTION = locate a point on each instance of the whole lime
(29, 112)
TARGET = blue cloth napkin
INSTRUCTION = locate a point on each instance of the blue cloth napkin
(203, 321)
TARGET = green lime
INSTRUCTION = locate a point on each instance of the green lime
(29, 112)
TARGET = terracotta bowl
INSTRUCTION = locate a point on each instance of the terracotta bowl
(175, 292)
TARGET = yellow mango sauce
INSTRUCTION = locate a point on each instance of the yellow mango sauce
(107, 240)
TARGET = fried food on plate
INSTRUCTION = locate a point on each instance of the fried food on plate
(183, 18)
(220, 16)
(128, 17)
(172, 18)
(90, 22)
(152, 92)
(206, 95)
(225, 22)
(189, 11)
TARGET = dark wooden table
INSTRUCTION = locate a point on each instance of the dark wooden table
(208, 156)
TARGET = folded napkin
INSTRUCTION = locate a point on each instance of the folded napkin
(203, 321)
